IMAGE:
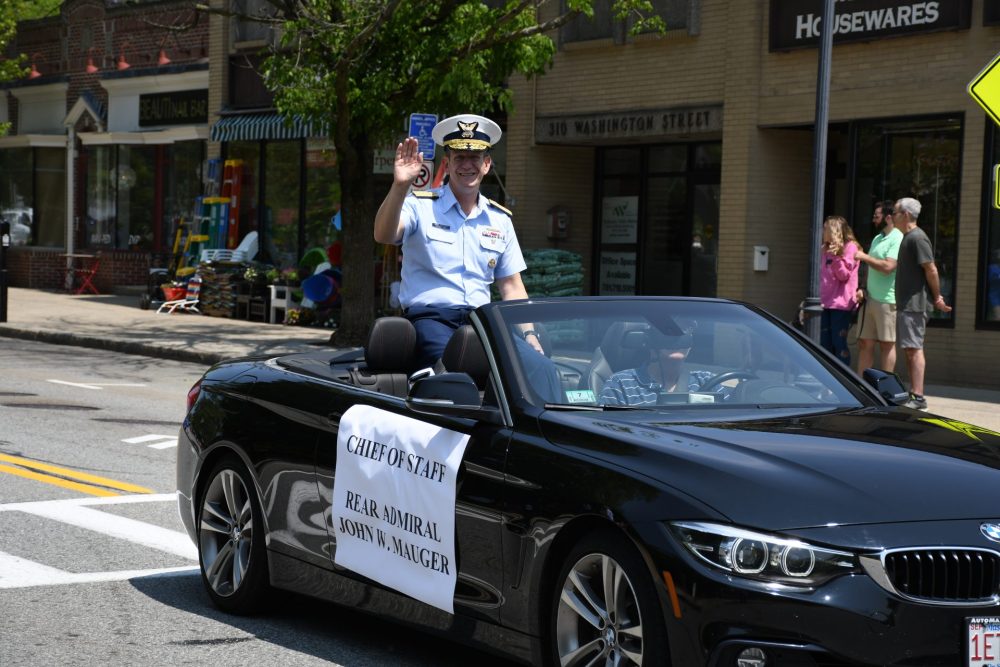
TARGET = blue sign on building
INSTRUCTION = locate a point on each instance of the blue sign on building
(421, 125)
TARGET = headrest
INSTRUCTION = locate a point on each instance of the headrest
(391, 345)
(464, 353)
(623, 345)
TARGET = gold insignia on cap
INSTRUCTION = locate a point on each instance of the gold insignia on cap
(468, 129)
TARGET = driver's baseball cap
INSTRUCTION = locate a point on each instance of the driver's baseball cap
(679, 336)
(466, 132)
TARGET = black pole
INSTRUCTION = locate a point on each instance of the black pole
(4, 244)
(812, 306)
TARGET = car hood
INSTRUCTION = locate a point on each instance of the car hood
(871, 465)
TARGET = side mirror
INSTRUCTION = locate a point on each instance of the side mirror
(451, 395)
(888, 385)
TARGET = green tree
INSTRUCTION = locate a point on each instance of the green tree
(360, 66)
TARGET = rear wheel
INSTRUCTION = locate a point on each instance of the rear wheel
(605, 611)
(231, 540)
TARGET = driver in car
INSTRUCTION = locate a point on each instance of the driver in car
(665, 373)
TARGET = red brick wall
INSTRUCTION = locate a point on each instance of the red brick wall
(45, 268)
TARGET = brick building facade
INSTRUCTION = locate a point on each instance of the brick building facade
(124, 86)
(665, 198)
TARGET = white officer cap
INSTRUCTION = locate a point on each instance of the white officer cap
(466, 132)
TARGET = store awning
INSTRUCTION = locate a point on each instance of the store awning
(254, 127)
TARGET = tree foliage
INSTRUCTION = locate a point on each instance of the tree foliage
(360, 66)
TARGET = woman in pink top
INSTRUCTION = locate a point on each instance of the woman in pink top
(838, 285)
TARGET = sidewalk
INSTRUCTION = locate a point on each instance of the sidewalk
(117, 323)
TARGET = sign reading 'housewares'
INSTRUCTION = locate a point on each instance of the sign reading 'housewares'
(583, 129)
(186, 107)
(798, 23)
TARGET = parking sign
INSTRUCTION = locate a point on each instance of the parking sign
(421, 125)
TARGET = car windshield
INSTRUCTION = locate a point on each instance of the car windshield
(663, 354)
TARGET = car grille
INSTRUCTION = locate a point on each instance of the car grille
(944, 575)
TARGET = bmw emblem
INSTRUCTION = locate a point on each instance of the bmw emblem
(991, 531)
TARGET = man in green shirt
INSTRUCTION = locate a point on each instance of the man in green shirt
(879, 323)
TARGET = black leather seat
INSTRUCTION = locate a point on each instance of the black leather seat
(615, 354)
(464, 353)
(389, 354)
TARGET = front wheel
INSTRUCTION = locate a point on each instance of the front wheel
(605, 611)
(231, 540)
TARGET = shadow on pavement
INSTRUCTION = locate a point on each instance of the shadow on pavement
(317, 628)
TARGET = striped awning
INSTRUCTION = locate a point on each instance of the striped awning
(254, 127)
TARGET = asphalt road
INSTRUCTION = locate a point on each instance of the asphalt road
(94, 565)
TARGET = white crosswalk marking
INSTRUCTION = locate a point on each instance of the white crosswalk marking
(17, 572)
(96, 385)
(164, 441)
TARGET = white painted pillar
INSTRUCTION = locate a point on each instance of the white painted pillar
(70, 199)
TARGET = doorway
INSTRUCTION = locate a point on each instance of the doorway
(658, 219)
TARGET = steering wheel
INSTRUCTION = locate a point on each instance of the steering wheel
(716, 380)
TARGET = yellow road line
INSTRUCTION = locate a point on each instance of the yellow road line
(59, 473)
(57, 481)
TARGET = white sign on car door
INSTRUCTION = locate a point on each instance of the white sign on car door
(394, 502)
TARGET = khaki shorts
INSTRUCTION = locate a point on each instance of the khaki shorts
(911, 327)
(879, 322)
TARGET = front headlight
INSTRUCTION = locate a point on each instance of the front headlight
(762, 557)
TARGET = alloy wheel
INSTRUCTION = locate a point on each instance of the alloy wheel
(598, 620)
(226, 532)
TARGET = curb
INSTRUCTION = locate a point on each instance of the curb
(126, 347)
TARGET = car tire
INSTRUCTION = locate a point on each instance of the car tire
(584, 628)
(231, 540)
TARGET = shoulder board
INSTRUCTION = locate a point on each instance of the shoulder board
(502, 208)
(425, 194)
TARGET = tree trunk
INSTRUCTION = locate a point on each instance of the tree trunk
(358, 290)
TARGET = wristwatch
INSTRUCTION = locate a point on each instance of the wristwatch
(529, 332)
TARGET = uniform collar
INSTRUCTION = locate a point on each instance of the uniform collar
(448, 200)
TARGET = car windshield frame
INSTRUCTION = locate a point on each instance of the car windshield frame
(838, 388)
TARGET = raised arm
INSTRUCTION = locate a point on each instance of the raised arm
(388, 226)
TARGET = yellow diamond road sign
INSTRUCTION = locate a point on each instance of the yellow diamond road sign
(985, 89)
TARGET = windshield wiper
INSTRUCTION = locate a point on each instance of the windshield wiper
(592, 408)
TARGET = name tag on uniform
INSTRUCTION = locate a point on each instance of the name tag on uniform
(492, 238)
(438, 225)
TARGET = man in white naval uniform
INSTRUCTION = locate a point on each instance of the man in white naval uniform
(456, 242)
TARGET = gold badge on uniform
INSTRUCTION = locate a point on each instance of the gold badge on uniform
(492, 263)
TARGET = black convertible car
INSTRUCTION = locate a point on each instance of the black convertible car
(673, 482)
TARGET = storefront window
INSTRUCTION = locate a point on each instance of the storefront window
(34, 220)
(322, 194)
(919, 159)
(50, 205)
(281, 201)
(989, 278)
(182, 183)
(134, 178)
(100, 196)
(16, 193)
(122, 190)
(249, 153)
(619, 220)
